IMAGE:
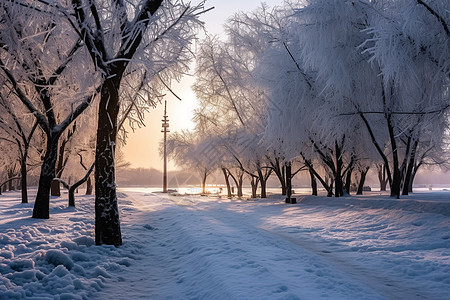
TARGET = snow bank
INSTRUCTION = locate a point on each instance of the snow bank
(55, 258)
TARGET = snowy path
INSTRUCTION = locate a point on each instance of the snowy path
(198, 248)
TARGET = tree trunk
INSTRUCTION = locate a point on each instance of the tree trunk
(382, 177)
(77, 184)
(280, 171)
(107, 221)
(338, 184)
(263, 189)
(239, 185)
(204, 182)
(361, 181)
(413, 175)
(56, 187)
(23, 178)
(42, 203)
(89, 186)
(396, 183)
(283, 180)
(313, 183)
(254, 184)
(11, 182)
(288, 168)
(348, 180)
(227, 182)
(408, 176)
(262, 181)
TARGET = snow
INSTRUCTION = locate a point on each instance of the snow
(195, 247)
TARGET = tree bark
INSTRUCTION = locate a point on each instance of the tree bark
(288, 168)
(89, 186)
(73, 187)
(361, 181)
(239, 185)
(42, 203)
(254, 184)
(413, 175)
(263, 181)
(382, 177)
(107, 221)
(227, 182)
(55, 187)
(23, 178)
(408, 176)
(348, 180)
(338, 184)
(280, 171)
(10, 173)
(313, 183)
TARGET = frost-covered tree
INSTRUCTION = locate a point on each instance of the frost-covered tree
(18, 129)
(149, 40)
(409, 45)
(38, 55)
(333, 66)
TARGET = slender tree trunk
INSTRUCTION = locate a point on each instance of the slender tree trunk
(348, 180)
(227, 182)
(407, 180)
(204, 182)
(313, 183)
(262, 180)
(11, 182)
(413, 175)
(107, 221)
(397, 176)
(361, 181)
(56, 187)
(42, 203)
(408, 176)
(283, 180)
(23, 178)
(338, 177)
(288, 168)
(254, 184)
(73, 187)
(239, 185)
(382, 177)
(89, 186)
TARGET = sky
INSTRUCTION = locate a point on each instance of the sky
(142, 145)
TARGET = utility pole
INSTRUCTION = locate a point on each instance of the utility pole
(165, 130)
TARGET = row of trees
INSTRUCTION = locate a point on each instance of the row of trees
(330, 87)
(66, 65)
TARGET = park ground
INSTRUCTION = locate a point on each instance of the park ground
(205, 247)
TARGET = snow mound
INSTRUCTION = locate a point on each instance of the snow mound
(55, 258)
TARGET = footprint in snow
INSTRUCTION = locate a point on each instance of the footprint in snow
(149, 227)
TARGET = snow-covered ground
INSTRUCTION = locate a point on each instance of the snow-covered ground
(193, 247)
